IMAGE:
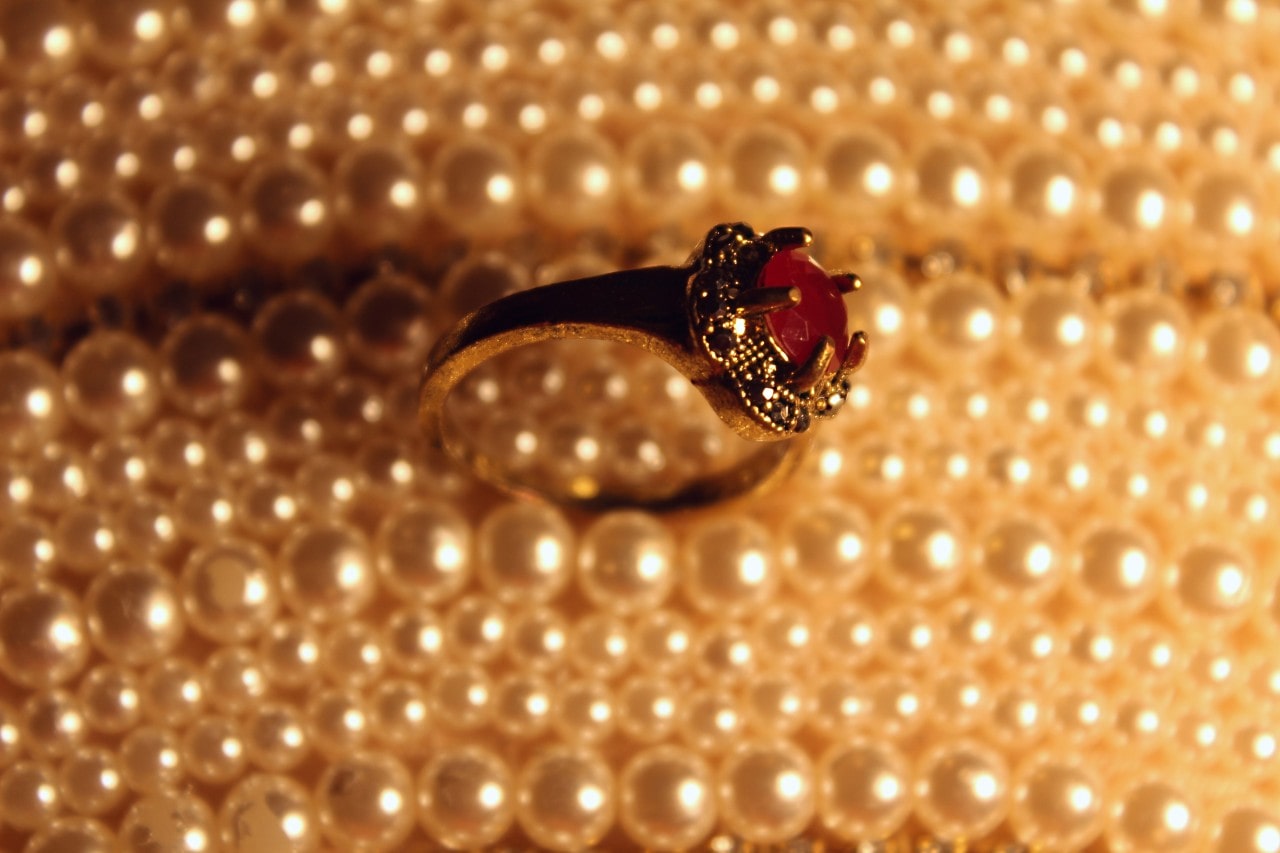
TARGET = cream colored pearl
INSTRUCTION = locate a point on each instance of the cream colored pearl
(923, 551)
(465, 796)
(566, 798)
(961, 789)
(766, 790)
(1057, 802)
(962, 318)
(524, 552)
(112, 382)
(1148, 333)
(265, 813)
(1238, 349)
(666, 798)
(364, 802)
(1249, 828)
(864, 789)
(730, 566)
(1153, 813)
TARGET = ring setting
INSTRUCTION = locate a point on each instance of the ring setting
(777, 323)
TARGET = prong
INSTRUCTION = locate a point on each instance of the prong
(763, 300)
(815, 369)
(847, 282)
(857, 353)
(789, 238)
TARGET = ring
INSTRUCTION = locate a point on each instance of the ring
(757, 326)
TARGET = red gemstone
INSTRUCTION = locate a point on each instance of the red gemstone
(821, 310)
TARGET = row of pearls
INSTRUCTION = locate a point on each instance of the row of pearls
(277, 537)
(150, 198)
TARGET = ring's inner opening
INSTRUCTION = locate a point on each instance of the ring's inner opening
(585, 418)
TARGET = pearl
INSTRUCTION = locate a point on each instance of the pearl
(730, 566)
(228, 591)
(205, 366)
(768, 169)
(476, 183)
(923, 551)
(53, 723)
(414, 640)
(465, 797)
(537, 639)
(28, 277)
(766, 790)
(119, 467)
(1058, 802)
(524, 552)
(424, 552)
(99, 243)
(213, 750)
(289, 652)
(1249, 828)
(600, 645)
(1147, 334)
(825, 548)
(1139, 199)
(235, 679)
(287, 214)
(111, 382)
(961, 789)
(461, 696)
(1022, 556)
(1238, 348)
(712, 720)
(583, 711)
(665, 798)
(1152, 813)
(668, 167)
(275, 737)
(565, 798)
(173, 691)
(299, 338)
(1056, 324)
(1210, 581)
(864, 789)
(381, 194)
(193, 226)
(90, 781)
(110, 698)
(626, 562)
(133, 613)
(29, 795)
(953, 178)
(573, 177)
(398, 714)
(338, 722)
(387, 322)
(266, 812)
(326, 571)
(267, 507)
(170, 820)
(351, 655)
(962, 317)
(863, 172)
(151, 762)
(42, 635)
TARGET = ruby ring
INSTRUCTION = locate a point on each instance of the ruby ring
(751, 320)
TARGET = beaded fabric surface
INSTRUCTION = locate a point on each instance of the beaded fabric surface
(1024, 594)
